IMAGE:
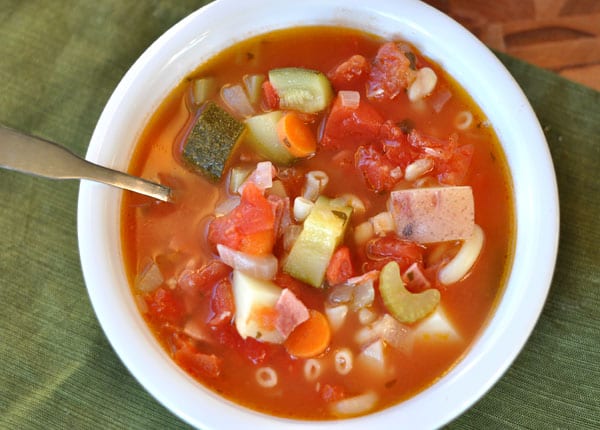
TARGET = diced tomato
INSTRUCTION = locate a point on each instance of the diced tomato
(379, 172)
(249, 227)
(351, 126)
(351, 74)
(249, 348)
(331, 393)
(270, 95)
(221, 303)
(382, 250)
(164, 306)
(340, 266)
(197, 363)
(390, 73)
(203, 279)
(396, 146)
(454, 170)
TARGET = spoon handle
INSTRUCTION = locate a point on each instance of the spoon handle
(28, 154)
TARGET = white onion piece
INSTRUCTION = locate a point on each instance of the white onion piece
(150, 279)
(262, 176)
(256, 266)
(355, 405)
(460, 265)
(364, 295)
(350, 99)
(336, 315)
(441, 100)
(236, 99)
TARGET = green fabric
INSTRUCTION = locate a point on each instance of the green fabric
(59, 63)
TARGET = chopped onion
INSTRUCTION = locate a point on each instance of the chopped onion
(462, 262)
(253, 84)
(262, 176)
(257, 266)
(236, 99)
(336, 315)
(349, 99)
(440, 100)
(364, 294)
(355, 405)
(150, 279)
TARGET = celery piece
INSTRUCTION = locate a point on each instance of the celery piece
(211, 141)
(322, 232)
(262, 137)
(300, 89)
(405, 306)
(203, 89)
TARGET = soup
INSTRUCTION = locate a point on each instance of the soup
(341, 229)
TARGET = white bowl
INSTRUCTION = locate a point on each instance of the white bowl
(224, 22)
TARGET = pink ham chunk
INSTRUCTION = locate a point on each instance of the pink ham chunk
(291, 312)
(429, 215)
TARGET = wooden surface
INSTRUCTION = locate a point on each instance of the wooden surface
(559, 35)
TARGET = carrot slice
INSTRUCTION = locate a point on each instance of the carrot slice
(296, 136)
(311, 337)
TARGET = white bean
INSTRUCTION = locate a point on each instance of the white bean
(363, 232)
(423, 85)
(460, 265)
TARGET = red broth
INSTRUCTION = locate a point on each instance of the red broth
(193, 287)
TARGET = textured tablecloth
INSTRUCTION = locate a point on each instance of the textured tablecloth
(59, 62)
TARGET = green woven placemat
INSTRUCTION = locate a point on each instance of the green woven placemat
(59, 63)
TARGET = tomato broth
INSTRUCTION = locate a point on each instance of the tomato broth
(367, 149)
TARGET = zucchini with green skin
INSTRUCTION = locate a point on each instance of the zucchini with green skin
(405, 306)
(301, 89)
(323, 231)
(212, 139)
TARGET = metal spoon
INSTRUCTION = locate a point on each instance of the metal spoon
(40, 157)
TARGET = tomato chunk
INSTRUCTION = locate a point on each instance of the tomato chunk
(271, 97)
(351, 74)
(340, 266)
(221, 303)
(197, 363)
(390, 73)
(351, 126)
(379, 173)
(164, 306)
(382, 250)
(249, 227)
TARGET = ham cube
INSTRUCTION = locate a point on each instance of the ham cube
(428, 215)
(291, 312)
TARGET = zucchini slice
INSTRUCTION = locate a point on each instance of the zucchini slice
(211, 141)
(301, 89)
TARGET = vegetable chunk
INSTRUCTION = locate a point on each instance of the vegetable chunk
(213, 137)
(430, 215)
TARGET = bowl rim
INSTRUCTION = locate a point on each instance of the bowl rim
(491, 354)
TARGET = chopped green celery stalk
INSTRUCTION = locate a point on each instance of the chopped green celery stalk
(262, 136)
(253, 84)
(405, 306)
(300, 89)
(237, 176)
(211, 141)
(322, 232)
(203, 89)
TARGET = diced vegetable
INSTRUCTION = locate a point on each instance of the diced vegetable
(405, 306)
(423, 85)
(291, 312)
(296, 136)
(150, 279)
(257, 266)
(237, 100)
(263, 138)
(310, 338)
(255, 313)
(322, 232)
(436, 327)
(301, 89)
(372, 357)
(429, 215)
(336, 315)
(203, 89)
(253, 84)
(211, 141)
